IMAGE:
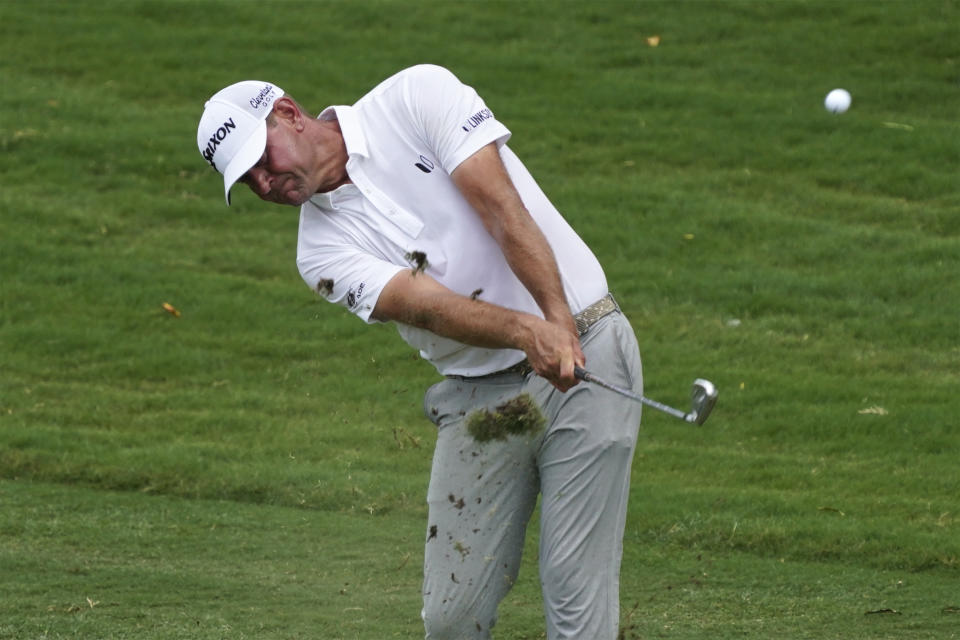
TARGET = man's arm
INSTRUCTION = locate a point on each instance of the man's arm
(484, 181)
(552, 346)
(418, 300)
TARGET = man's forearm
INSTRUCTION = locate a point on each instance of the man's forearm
(420, 301)
(485, 183)
(532, 260)
(427, 305)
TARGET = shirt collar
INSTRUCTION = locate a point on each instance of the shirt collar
(350, 128)
(337, 199)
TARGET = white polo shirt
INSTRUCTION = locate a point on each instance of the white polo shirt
(403, 141)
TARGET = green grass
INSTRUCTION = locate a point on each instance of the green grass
(257, 466)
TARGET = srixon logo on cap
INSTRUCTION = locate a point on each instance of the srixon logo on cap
(216, 139)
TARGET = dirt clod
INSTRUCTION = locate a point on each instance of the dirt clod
(325, 287)
(462, 549)
(517, 416)
(418, 260)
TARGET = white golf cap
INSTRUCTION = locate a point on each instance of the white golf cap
(233, 129)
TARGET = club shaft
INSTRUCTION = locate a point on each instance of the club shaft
(586, 376)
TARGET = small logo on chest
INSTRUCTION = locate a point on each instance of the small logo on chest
(426, 164)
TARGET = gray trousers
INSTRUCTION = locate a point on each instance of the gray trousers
(482, 496)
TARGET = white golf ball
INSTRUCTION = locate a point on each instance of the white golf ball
(837, 101)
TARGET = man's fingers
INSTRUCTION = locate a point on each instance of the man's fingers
(561, 373)
(567, 377)
(554, 354)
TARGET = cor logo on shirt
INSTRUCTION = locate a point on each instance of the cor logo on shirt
(354, 296)
(426, 165)
(476, 119)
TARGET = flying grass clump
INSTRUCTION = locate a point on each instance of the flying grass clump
(418, 260)
(517, 416)
(325, 287)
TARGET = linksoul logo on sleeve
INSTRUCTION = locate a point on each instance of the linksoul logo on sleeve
(216, 139)
(476, 119)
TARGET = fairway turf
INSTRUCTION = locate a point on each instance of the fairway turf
(256, 466)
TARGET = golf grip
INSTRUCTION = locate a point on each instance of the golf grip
(586, 376)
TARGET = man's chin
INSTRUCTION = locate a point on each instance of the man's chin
(294, 198)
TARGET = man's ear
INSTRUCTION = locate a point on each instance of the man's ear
(286, 109)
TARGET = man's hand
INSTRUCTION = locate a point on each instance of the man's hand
(553, 351)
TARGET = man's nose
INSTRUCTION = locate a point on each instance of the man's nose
(260, 182)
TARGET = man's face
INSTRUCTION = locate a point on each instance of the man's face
(282, 174)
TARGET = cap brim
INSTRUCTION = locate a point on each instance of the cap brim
(247, 156)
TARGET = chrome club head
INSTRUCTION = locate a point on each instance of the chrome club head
(703, 397)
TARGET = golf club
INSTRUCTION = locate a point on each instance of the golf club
(704, 396)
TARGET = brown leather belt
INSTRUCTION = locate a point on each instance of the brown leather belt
(584, 320)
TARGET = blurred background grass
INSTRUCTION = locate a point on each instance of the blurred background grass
(803, 261)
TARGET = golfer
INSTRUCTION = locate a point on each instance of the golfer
(413, 210)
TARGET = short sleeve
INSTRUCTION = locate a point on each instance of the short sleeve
(347, 276)
(454, 119)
